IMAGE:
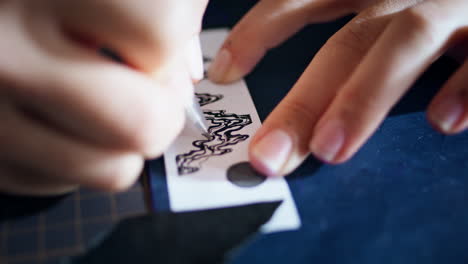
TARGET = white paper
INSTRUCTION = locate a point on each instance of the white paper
(208, 186)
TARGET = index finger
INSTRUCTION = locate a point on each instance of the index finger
(298, 113)
(267, 25)
(85, 95)
(144, 32)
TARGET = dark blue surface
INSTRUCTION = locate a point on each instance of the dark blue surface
(96, 207)
(402, 199)
(21, 243)
(129, 203)
(61, 237)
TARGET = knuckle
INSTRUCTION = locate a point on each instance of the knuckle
(255, 32)
(336, 8)
(418, 17)
(303, 111)
(355, 103)
(354, 37)
(343, 43)
(242, 33)
(349, 5)
(424, 21)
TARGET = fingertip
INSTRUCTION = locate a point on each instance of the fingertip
(234, 74)
(224, 69)
(270, 154)
(328, 141)
(335, 161)
(121, 173)
(260, 167)
(463, 126)
(220, 66)
(445, 115)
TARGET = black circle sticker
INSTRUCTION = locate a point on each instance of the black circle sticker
(243, 175)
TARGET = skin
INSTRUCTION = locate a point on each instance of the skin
(72, 117)
(355, 79)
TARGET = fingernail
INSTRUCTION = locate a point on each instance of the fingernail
(271, 153)
(220, 66)
(195, 59)
(447, 113)
(328, 141)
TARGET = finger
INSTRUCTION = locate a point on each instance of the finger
(144, 32)
(267, 25)
(460, 51)
(448, 111)
(299, 111)
(194, 59)
(18, 180)
(180, 80)
(30, 145)
(110, 106)
(88, 96)
(412, 41)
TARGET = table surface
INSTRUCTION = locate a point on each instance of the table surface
(401, 199)
(64, 226)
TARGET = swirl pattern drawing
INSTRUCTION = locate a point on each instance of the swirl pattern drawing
(206, 98)
(221, 137)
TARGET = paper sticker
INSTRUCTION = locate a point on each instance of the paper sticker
(212, 171)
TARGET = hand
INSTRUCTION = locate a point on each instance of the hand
(71, 116)
(354, 80)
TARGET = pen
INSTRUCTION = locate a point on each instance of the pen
(196, 117)
(193, 111)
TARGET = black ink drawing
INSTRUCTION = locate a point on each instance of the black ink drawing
(206, 59)
(218, 142)
(206, 98)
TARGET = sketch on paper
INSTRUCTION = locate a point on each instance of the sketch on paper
(206, 98)
(222, 136)
(206, 59)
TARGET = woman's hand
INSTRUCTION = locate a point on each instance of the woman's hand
(352, 83)
(73, 117)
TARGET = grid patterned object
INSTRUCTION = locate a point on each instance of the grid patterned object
(67, 227)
